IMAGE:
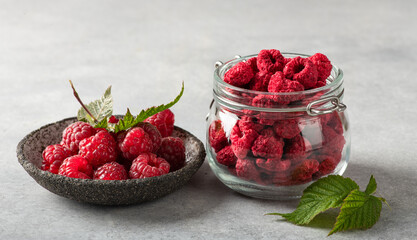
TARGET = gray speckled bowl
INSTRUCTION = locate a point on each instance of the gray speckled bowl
(105, 192)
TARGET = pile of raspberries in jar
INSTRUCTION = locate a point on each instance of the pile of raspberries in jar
(280, 151)
(146, 150)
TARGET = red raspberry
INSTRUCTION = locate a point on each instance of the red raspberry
(134, 142)
(327, 164)
(247, 170)
(111, 171)
(99, 149)
(113, 120)
(267, 145)
(239, 75)
(333, 142)
(217, 136)
(320, 84)
(163, 121)
(287, 60)
(297, 149)
(288, 128)
(260, 82)
(332, 120)
(76, 167)
(226, 157)
(323, 65)
(53, 156)
(304, 172)
(148, 165)
(279, 84)
(266, 101)
(273, 165)
(252, 62)
(153, 133)
(173, 151)
(303, 71)
(242, 140)
(270, 61)
(74, 133)
(247, 123)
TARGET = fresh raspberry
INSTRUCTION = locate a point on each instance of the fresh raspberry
(270, 61)
(273, 165)
(76, 167)
(303, 71)
(217, 136)
(173, 151)
(267, 145)
(148, 165)
(111, 171)
(247, 170)
(260, 82)
(242, 140)
(53, 156)
(323, 65)
(153, 134)
(247, 123)
(252, 62)
(163, 121)
(297, 149)
(279, 84)
(226, 157)
(113, 120)
(304, 171)
(288, 128)
(74, 133)
(99, 149)
(134, 142)
(239, 75)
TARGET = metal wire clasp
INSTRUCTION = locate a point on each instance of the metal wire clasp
(336, 106)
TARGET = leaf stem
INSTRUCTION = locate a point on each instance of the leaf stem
(81, 102)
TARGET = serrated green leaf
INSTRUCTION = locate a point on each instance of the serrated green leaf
(100, 109)
(323, 194)
(359, 211)
(124, 123)
(371, 188)
(102, 124)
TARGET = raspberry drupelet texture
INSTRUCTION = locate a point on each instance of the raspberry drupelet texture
(260, 82)
(266, 145)
(217, 136)
(163, 121)
(323, 65)
(270, 61)
(303, 71)
(134, 142)
(99, 149)
(153, 133)
(173, 151)
(226, 157)
(288, 128)
(239, 75)
(111, 171)
(248, 123)
(273, 165)
(280, 84)
(247, 170)
(242, 140)
(76, 167)
(304, 171)
(74, 133)
(148, 165)
(252, 62)
(53, 156)
(297, 149)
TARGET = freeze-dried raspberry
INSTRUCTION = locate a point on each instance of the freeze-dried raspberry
(247, 123)
(113, 119)
(260, 82)
(247, 170)
(327, 164)
(323, 65)
(270, 61)
(173, 151)
(252, 62)
(239, 75)
(242, 140)
(163, 121)
(333, 142)
(273, 165)
(297, 149)
(303, 71)
(148, 165)
(111, 171)
(266, 101)
(287, 60)
(288, 128)
(99, 149)
(74, 133)
(267, 145)
(53, 156)
(217, 136)
(304, 171)
(153, 134)
(279, 84)
(76, 167)
(320, 84)
(134, 142)
(332, 120)
(226, 157)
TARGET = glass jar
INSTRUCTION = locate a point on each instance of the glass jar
(273, 145)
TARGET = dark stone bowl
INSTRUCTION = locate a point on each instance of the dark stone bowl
(105, 192)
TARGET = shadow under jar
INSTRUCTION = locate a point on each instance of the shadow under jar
(273, 145)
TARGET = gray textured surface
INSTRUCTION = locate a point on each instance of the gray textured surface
(145, 49)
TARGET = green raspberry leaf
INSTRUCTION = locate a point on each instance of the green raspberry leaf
(102, 124)
(323, 194)
(359, 211)
(371, 188)
(124, 123)
(98, 110)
